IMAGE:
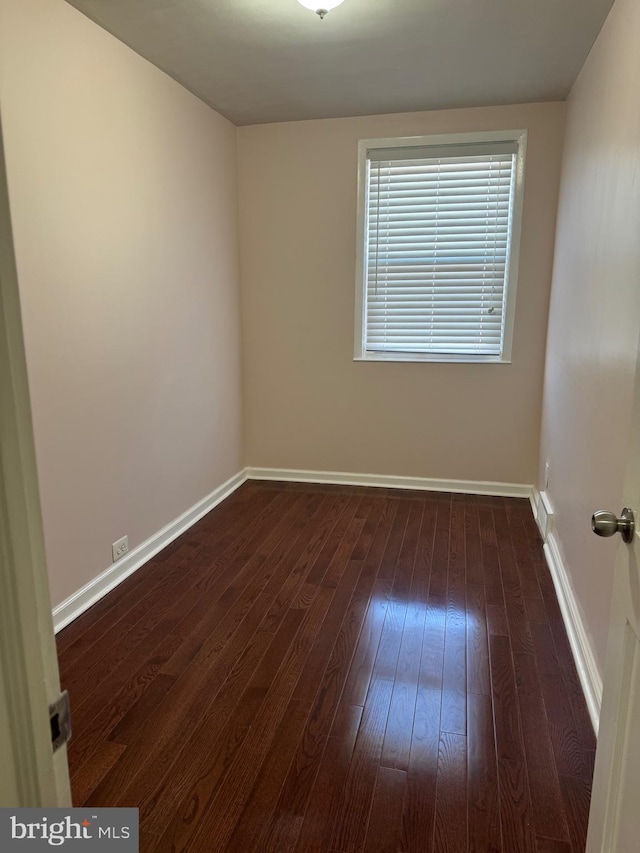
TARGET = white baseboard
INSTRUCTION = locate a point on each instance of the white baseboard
(590, 677)
(81, 600)
(470, 487)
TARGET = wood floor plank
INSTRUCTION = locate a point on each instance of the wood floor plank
(213, 804)
(425, 551)
(305, 764)
(549, 815)
(343, 552)
(519, 631)
(352, 814)
(257, 813)
(328, 669)
(252, 650)
(576, 794)
(450, 833)
(350, 827)
(494, 593)
(456, 577)
(359, 677)
(440, 561)
(389, 564)
(397, 739)
(471, 518)
(166, 730)
(453, 715)
(302, 551)
(311, 646)
(384, 831)
(535, 610)
(475, 568)
(86, 780)
(419, 806)
(301, 560)
(117, 695)
(130, 726)
(571, 751)
(545, 653)
(159, 796)
(497, 620)
(505, 702)
(516, 813)
(407, 557)
(524, 563)
(418, 816)
(478, 673)
(316, 827)
(485, 834)
(345, 526)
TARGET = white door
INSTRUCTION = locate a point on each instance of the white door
(30, 773)
(614, 821)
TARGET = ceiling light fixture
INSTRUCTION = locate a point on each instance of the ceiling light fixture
(320, 7)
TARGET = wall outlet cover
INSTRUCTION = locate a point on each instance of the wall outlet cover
(120, 548)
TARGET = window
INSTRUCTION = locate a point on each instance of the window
(439, 222)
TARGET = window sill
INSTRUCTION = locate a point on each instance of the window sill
(414, 358)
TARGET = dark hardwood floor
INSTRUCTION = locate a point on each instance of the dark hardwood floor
(316, 668)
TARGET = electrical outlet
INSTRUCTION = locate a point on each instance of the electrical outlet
(547, 465)
(120, 548)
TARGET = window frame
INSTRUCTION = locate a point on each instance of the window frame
(511, 278)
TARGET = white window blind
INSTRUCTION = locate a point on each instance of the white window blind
(438, 229)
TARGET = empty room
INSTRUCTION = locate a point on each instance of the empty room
(320, 425)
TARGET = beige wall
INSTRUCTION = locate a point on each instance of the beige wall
(123, 198)
(308, 404)
(595, 310)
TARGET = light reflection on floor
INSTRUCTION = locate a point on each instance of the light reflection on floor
(409, 676)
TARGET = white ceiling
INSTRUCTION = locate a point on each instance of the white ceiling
(272, 60)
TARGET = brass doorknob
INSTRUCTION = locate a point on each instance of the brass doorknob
(605, 523)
